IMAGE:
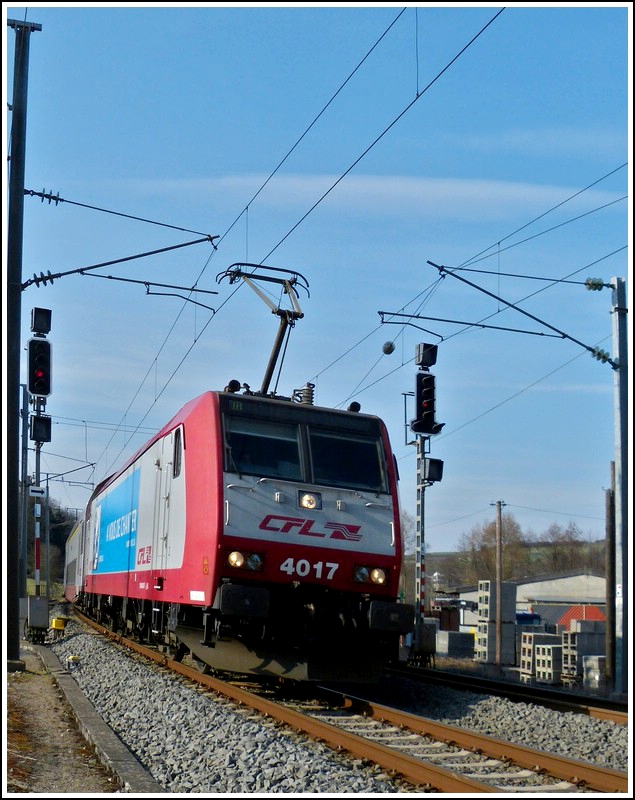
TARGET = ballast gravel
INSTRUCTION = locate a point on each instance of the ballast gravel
(569, 735)
(192, 743)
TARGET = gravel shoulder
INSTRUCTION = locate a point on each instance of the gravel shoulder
(46, 751)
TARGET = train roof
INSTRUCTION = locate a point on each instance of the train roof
(206, 398)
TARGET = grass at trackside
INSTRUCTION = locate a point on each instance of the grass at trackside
(56, 590)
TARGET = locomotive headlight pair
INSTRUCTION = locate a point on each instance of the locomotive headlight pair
(251, 561)
(310, 500)
(370, 575)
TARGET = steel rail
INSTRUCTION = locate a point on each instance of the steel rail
(607, 710)
(579, 773)
(414, 770)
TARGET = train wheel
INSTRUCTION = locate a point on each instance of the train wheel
(115, 624)
(179, 652)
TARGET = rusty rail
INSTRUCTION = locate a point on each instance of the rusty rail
(414, 770)
(600, 779)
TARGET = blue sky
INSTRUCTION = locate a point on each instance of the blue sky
(424, 133)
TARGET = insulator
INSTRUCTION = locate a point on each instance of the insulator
(307, 394)
(42, 278)
(601, 355)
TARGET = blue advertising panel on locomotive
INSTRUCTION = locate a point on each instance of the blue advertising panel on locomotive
(116, 533)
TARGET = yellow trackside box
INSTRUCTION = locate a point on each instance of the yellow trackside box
(58, 624)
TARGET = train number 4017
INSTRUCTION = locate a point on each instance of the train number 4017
(302, 568)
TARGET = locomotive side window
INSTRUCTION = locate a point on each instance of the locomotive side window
(267, 449)
(354, 462)
(177, 455)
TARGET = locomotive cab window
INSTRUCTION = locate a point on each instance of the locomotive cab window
(353, 462)
(304, 444)
(267, 449)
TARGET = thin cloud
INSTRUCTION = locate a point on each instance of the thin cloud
(469, 200)
(566, 142)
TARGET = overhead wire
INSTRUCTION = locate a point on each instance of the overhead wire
(540, 278)
(419, 94)
(57, 199)
(545, 213)
(475, 260)
(477, 257)
(429, 291)
(315, 378)
(553, 280)
(516, 307)
(385, 131)
(236, 220)
(549, 511)
(394, 122)
(523, 227)
(457, 519)
(429, 525)
(96, 425)
(310, 126)
(305, 216)
(446, 434)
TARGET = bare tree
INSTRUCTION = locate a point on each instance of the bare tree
(563, 549)
(61, 522)
(408, 530)
(478, 551)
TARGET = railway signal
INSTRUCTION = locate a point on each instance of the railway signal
(41, 320)
(39, 367)
(425, 405)
(40, 428)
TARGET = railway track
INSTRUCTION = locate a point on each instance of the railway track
(596, 707)
(486, 763)
(425, 754)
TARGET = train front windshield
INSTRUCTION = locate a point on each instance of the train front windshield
(305, 445)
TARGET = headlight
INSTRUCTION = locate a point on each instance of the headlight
(236, 559)
(310, 500)
(370, 575)
(250, 561)
(378, 576)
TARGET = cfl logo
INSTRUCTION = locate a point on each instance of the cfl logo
(305, 527)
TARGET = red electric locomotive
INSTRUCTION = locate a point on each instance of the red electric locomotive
(259, 534)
